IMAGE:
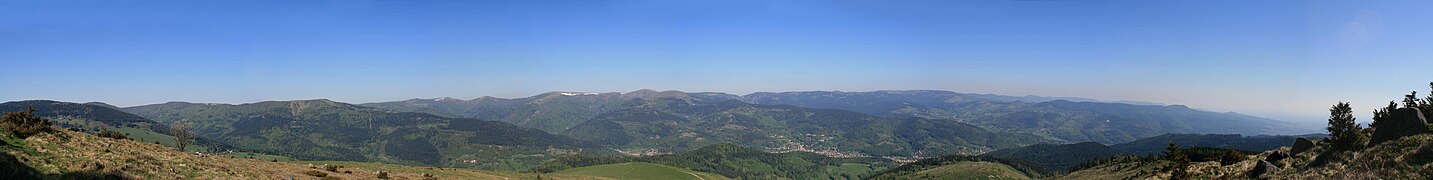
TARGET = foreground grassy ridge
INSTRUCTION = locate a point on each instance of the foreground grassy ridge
(640, 171)
(59, 154)
(1405, 158)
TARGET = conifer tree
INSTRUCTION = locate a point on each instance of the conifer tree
(1343, 131)
(1383, 114)
(1181, 161)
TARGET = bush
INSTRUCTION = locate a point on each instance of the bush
(24, 123)
(1233, 157)
(315, 173)
(330, 168)
(111, 134)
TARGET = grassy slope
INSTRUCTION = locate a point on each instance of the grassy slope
(64, 153)
(742, 163)
(964, 170)
(638, 171)
(849, 170)
(1121, 170)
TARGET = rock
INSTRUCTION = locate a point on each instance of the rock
(1261, 168)
(1404, 122)
(1301, 145)
(1276, 156)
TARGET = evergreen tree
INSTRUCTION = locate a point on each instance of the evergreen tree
(1180, 159)
(1383, 114)
(1410, 100)
(1426, 104)
(1343, 131)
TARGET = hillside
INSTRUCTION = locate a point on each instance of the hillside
(1405, 158)
(328, 130)
(640, 171)
(742, 163)
(1156, 145)
(91, 116)
(669, 125)
(962, 170)
(75, 115)
(73, 155)
(1058, 157)
(964, 167)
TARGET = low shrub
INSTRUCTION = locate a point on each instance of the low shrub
(111, 134)
(315, 173)
(24, 123)
(330, 168)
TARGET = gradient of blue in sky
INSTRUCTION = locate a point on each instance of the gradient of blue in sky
(1283, 59)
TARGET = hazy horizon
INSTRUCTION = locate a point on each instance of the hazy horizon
(1287, 60)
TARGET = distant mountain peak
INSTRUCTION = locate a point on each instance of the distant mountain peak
(642, 91)
(102, 104)
(441, 99)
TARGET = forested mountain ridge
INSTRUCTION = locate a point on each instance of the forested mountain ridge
(89, 111)
(668, 125)
(1156, 145)
(1064, 118)
(327, 130)
(551, 112)
(1058, 158)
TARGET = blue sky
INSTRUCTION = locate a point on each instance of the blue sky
(1283, 59)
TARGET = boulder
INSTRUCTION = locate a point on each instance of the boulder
(1276, 156)
(1404, 122)
(1301, 145)
(1261, 168)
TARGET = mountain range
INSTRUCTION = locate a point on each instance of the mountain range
(519, 134)
(1068, 120)
(327, 130)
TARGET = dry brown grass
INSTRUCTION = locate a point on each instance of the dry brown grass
(1391, 160)
(67, 151)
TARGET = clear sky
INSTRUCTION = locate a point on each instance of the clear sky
(1283, 59)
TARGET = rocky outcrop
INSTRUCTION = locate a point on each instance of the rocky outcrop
(1301, 145)
(1276, 156)
(1404, 122)
(1261, 168)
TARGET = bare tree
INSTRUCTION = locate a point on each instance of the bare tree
(182, 133)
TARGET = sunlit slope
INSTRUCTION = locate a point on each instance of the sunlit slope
(962, 170)
(67, 155)
(639, 171)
